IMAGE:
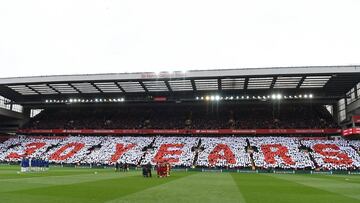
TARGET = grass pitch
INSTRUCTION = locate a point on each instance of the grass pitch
(104, 185)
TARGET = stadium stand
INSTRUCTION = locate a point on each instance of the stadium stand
(224, 152)
(174, 150)
(122, 149)
(265, 116)
(333, 154)
(188, 119)
(274, 152)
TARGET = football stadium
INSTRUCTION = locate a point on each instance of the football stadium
(281, 134)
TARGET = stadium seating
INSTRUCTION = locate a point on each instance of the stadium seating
(186, 117)
(16, 148)
(274, 152)
(174, 150)
(333, 154)
(119, 149)
(223, 152)
(220, 152)
(355, 144)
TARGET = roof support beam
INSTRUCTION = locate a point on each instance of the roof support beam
(33, 89)
(273, 82)
(117, 84)
(219, 84)
(246, 83)
(52, 88)
(74, 88)
(96, 87)
(193, 85)
(168, 85)
(143, 86)
(301, 82)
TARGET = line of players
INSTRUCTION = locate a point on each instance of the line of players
(123, 166)
(162, 169)
(36, 165)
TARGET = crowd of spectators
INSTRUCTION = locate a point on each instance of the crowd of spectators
(355, 144)
(338, 154)
(223, 152)
(174, 150)
(119, 149)
(272, 152)
(171, 116)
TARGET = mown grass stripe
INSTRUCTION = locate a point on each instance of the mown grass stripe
(199, 187)
(338, 185)
(83, 185)
(266, 188)
(100, 190)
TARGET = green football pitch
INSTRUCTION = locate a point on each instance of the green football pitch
(104, 185)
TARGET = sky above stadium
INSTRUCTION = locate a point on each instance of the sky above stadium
(46, 37)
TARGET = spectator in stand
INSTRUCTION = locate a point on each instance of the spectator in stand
(186, 117)
(224, 152)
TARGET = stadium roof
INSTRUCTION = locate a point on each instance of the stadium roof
(330, 81)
